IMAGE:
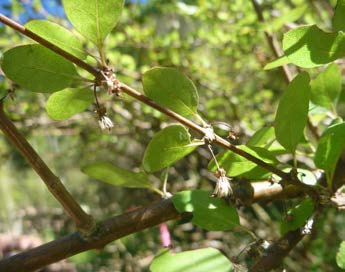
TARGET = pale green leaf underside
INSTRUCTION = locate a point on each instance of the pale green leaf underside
(191, 261)
(59, 36)
(94, 19)
(166, 147)
(109, 173)
(309, 46)
(172, 89)
(64, 104)
(37, 68)
(341, 255)
(330, 147)
(292, 112)
(208, 213)
(326, 88)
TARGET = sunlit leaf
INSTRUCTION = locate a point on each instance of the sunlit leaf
(166, 147)
(109, 173)
(326, 88)
(277, 62)
(292, 112)
(199, 260)
(172, 89)
(63, 104)
(37, 68)
(309, 46)
(208, 213)
(341, 255)
(93, 18)
(262, 137)
(59, 36)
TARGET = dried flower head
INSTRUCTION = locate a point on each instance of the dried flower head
(223, 186)
(103, 120)
(113, 85)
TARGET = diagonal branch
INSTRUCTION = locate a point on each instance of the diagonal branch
(128, 90)
(83, 221)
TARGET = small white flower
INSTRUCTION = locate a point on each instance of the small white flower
(223, 186)
(105, 122)
(308, 227)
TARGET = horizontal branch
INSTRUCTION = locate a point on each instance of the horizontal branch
(125, 224)
(82, 220)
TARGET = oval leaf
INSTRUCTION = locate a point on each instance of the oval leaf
(94, 19)
(297, 216)
(166, 147)
(331, 145)
(171, 89)
(309, 46)
(59, 36)
(63, 104)
(209, 213)
(326, 88)
(109, 173)
(235, 165)
(191, 261)
(37, 68)
(292, 112)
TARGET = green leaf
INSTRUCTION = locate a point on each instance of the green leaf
(166, 147)
(209, 213)
(309, 46)
(277, 62)
(339, 16)
(292, 112)
(59, 36)
(63, 104)
(171, 89)
(326, 88)
(199, 260)
(37, 68)
(263, 137)
(94, 19)
(297, 216)
(330, 147)
(109, 173)
(341, 255)
(236, 165)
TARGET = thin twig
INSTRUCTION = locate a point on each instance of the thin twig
(83, 221)
(130, 91)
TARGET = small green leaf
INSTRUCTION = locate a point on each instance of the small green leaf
(59, 36)
(109, 173)
(167, 146)
(172, 89)
(326, 88)
(331, 145)
(309, 46)
(339, 16)
(297, 216)
(209, 213)
(37, 68)
(94, 19)
(199, 260)
(63, 104)
(277, 62)
(341, 255)
(292, 112)
(236, 165)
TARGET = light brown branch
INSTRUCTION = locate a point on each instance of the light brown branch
(83, 221)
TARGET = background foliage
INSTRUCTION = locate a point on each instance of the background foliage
(221, 47)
